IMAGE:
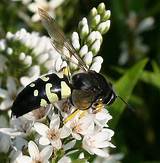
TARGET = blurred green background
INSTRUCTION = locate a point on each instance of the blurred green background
(131, 52)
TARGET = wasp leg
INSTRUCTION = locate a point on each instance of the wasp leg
(66, 72)
(77, 111)
(98, 108)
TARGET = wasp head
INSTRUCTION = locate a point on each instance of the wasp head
(90, 87)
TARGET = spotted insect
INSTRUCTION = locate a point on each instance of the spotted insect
(84, 90)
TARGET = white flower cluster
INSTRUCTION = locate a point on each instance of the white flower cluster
(91, 129)
(137, 28)
(49, 6)
(88, 39)
(54, 138)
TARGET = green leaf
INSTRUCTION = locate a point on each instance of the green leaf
(155, 66)
(151, 78)
(124, 87)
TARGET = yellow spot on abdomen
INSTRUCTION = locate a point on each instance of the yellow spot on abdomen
(36, 92)
(43, 103)
(44, 78)
(32, 85)
(52, 97)
(65, 90)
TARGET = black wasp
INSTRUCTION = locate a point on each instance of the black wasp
(84, 90)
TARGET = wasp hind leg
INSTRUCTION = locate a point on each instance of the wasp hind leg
(73, 115)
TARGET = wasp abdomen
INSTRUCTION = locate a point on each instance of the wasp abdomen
(43, 91)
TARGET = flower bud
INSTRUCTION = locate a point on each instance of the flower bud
(22, 56)
(75, 40)
(104, 27)
(84, 31)
(83, 50)
(75, 36)
(88, 58)
(98, 36)
(35, 70)
(106, 15)
(101, 8)
(43, 58)
(98, 59)
(91, 38)
(95, 47)
(2, 44)
(9, 35)
(93, 12)
(9, 51)
(95, 21)
(58, 64)
(96, 67)
(28, 60)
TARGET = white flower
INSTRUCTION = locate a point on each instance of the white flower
(52, 134)
(95, 142)
(21, 124)
(145, 24)
(49, 6)
(19, 143)
(101, 118)
(82, 126)
(41, 46)
(38, 114)
(35, 155)
(9, 94)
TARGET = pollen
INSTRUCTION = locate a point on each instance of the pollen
(53, 134)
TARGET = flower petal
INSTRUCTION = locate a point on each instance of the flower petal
(46, 153)
(100, 152)
(24, 159)
(41, 128)
(7, 103)
(64, 132)
(57, 144)
(44, 141)
(55, 122)
(33, 150)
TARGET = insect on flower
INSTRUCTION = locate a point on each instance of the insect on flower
(83, 90)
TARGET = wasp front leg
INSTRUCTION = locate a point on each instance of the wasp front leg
(98, 106)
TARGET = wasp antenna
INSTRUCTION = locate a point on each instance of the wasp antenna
(128, 105)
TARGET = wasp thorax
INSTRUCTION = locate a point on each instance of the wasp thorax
(88, 88)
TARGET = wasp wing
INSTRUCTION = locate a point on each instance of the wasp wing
(58, 39)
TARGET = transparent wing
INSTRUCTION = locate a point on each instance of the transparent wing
(58, 39)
